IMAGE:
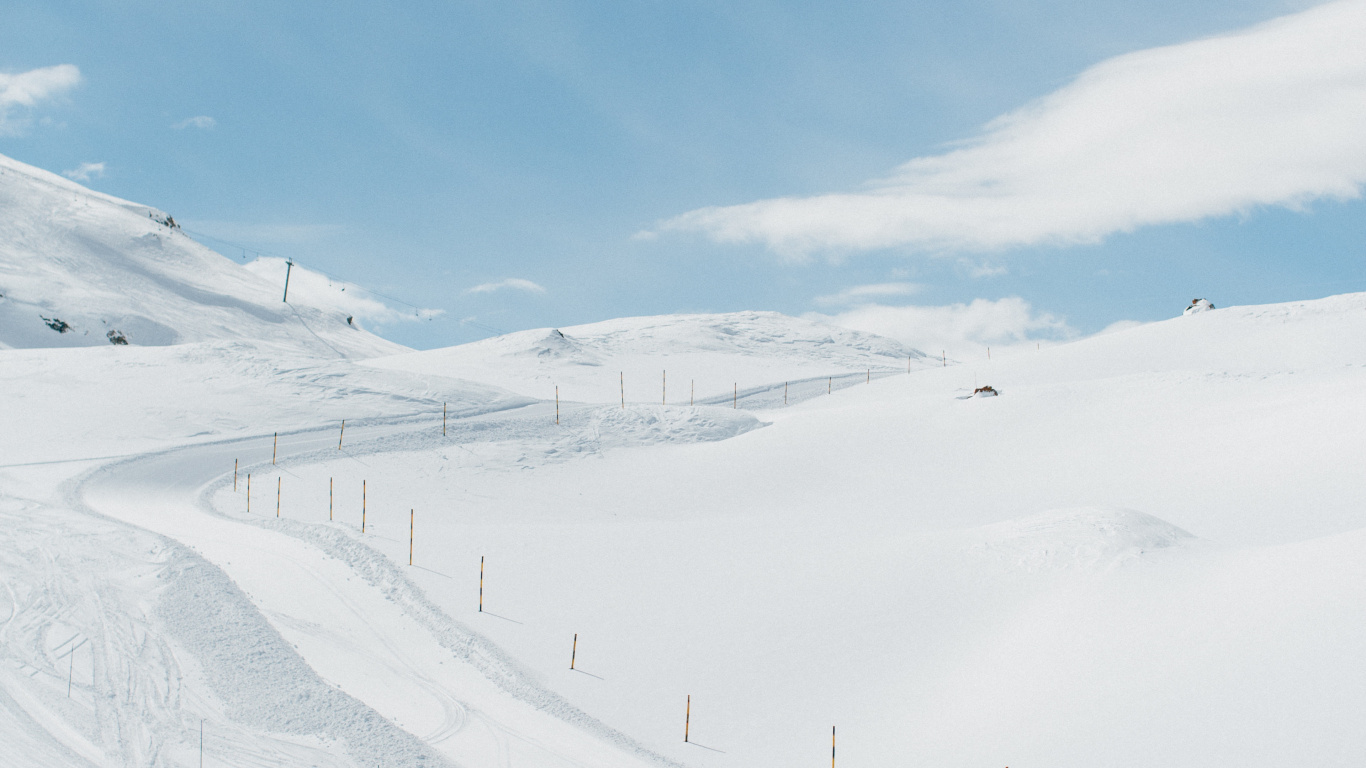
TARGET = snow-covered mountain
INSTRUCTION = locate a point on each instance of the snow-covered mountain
(1149, 549)
(81, 268)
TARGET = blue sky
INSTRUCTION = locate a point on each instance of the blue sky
(426, 150)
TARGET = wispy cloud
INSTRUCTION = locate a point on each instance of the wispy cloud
(20, 92)
(85, 172)
(862, 294)
(201, 121)
(1270, 115)
(962, 330)
(514, 283)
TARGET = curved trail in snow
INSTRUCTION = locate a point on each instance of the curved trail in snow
(352, 617)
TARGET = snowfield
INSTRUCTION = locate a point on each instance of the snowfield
(1150, 549)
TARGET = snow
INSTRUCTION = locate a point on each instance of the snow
(1149, 550)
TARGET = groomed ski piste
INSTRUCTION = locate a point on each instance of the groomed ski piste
(1149, 549)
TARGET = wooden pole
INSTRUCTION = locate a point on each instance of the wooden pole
(623, 390)
(830, 385)
(410, 537)
(908, 363)
(362, 506)
(944, 357)
(277, 496)
(735, 396)
(273, 444)
(481, 583)
(557, 405)
(784, 393)
(341, 436)
(832, 746)
(234, 475)
(248, 493)
(870, 377)
(329, 499)
(687, 718)
(575, 651)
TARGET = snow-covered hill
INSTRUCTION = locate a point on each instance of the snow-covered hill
(1149, 549)
(666, 359)
(81, 268)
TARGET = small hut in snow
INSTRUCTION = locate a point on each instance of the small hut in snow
(1199, 305)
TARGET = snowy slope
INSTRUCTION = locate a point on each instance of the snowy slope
(1148, 550)
(94, 265)
(665, 359)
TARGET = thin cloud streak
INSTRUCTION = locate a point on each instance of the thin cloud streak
(85, 172)
(514, 283)
(203, 122)
(1270, 115)
(864, 293)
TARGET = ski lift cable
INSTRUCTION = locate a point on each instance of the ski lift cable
(339, 278)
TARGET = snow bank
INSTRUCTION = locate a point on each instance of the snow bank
(1082, 538)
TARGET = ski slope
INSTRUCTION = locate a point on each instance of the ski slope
(1149, 549)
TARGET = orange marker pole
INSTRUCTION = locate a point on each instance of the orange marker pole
(362, 506)
(832, 746)
(277, 497)
(870, 377)
(830, 385)
(481, 583)
(274, 443)
(784, 393)
(341, 436)
(234, 475)
(575, 651)
(248, 493)
(735, 396)
(410, 537)
(687, 718)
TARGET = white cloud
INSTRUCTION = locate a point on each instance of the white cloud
(961, 330)
(22, 91)
(201, 121)
(313, 289)
(1270, 115)
(85, 172)
(515, 283)
(864, 293)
